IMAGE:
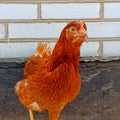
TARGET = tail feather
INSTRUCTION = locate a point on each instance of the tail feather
(43, 50)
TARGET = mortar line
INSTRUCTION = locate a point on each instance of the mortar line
(58, 20)
(6, 32)
(62, 1)
(38, 11)
(102, 11)
(101, 49)
(90, 39)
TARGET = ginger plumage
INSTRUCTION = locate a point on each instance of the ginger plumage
(52, 80)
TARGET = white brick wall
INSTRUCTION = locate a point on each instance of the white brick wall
(70, 11)
(18, 11)
(87, 49)
(23, 24)
(111, 49)
(12, 50)
(103, 29)
(112, 10)
(35, 30)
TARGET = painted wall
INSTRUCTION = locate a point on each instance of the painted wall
(24, 24)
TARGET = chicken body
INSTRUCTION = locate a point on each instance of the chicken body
(52, 80)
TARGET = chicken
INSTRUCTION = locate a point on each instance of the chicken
(52, 80)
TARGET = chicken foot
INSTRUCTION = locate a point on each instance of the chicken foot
(31, 115)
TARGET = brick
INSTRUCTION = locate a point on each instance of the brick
(103, 29)
(89, 49)
(18, 11)
(2, 31)
(112, 10)
(70, 11)
(111, 48)
(16, 50)
(35, 30)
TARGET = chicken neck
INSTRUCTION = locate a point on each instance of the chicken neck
(65, 52)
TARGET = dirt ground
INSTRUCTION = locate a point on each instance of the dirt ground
(99, 98)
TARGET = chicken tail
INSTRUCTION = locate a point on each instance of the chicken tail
(43, 50)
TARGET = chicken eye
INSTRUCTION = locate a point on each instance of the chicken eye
(73, 29)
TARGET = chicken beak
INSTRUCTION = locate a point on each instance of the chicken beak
(86, 38)
(83, 35)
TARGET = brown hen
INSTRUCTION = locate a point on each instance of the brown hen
(51, 81)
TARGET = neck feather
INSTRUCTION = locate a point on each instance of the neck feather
(64, 52)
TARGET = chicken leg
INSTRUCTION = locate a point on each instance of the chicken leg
(31, 115)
